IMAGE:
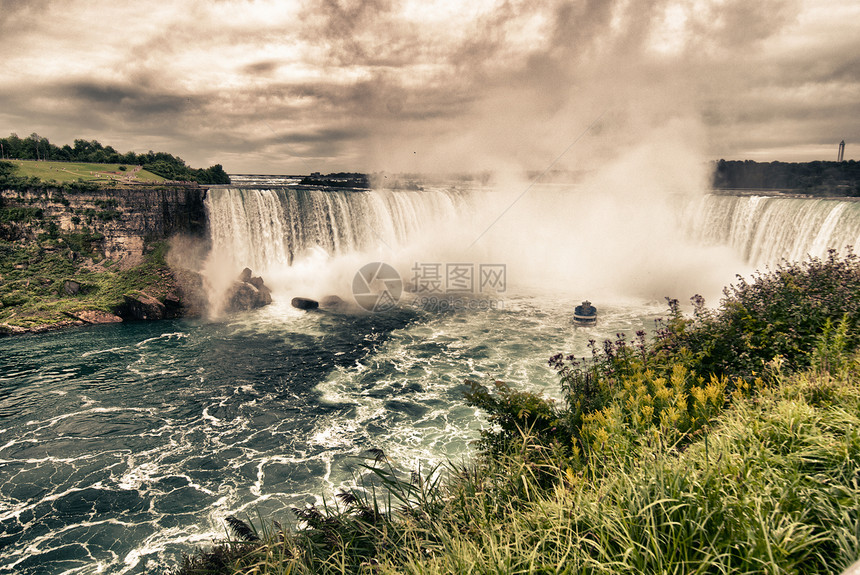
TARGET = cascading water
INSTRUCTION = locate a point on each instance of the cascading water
(764, 230)
(269, 228)
(553, 241)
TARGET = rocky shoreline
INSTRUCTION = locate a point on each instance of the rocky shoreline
(185, 298)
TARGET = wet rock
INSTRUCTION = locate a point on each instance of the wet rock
(173, 305)
(265, 293)
(6, 329)
(304, 303)
(242, 296)
(257, 282)
(95, 317)
(248, 292)
(142, 306)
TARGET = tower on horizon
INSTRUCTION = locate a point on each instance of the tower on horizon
(841, 151)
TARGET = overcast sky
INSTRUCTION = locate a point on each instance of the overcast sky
(329, 85)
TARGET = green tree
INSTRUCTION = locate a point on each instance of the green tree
(6, 169)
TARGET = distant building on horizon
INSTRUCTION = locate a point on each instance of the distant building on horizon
(841, 151)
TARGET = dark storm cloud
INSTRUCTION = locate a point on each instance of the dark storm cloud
(327, 134)
(382, 96)
(102, 104)
(126, 99)
(342, 26)
(21, 14)
(264, 68)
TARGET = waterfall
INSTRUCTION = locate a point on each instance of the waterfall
(269, 228)
(764, 230)
(310, 241)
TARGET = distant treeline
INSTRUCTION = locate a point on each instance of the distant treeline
(36, 147)
(817, 178)
(337, 180)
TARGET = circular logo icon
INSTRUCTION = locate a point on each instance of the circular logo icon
(377, 287)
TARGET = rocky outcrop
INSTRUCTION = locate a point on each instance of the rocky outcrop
(7, 329)
(142, 306)
(94, 317)
(102, 231)
(248, 292)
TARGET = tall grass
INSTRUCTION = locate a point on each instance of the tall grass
(775, 489)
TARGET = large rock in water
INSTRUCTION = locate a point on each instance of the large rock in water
(142, 306)
(248, 292)
(304, 303)
(190, 292)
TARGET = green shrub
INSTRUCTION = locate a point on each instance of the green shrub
(781, 312)
(671, 388)
(515, 412)
(20, 214)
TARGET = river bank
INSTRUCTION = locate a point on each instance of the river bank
(48, 285)
(73, 255)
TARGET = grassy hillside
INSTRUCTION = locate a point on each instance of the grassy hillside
(34, 276)
(64, 172)
(36, 147)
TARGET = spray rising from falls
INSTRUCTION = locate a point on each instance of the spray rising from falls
(579, 239)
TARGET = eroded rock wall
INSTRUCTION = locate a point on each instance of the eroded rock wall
(124, 216)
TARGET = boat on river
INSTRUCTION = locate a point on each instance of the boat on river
(585, 313)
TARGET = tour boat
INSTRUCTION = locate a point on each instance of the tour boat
(585, 313)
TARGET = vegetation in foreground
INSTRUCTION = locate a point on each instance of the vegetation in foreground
(675, 455)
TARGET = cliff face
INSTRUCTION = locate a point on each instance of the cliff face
(124, 216)
(79, 254)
